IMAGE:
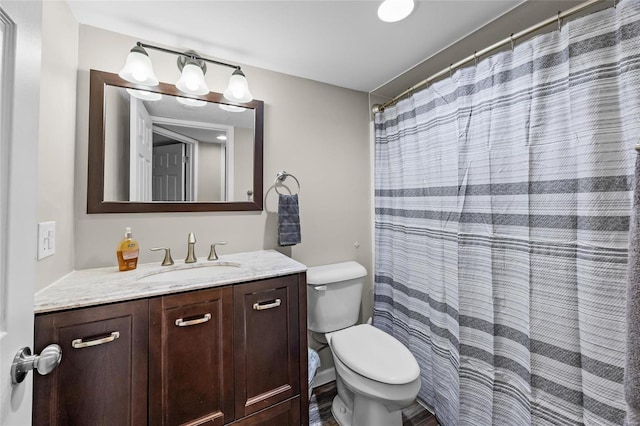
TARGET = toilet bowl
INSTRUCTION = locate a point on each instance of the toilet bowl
(376, 375)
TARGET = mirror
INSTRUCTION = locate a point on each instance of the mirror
(158, 150)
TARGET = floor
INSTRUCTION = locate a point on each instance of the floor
(320, 410)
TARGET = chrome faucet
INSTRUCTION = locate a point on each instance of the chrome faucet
(191, 244)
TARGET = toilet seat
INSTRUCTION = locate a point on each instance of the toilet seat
(374, 354)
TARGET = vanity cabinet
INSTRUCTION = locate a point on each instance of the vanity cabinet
(102, 379)
(232, 354)
(266, 344)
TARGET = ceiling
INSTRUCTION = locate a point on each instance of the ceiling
(338, 42)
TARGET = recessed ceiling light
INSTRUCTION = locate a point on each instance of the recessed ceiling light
(395, 10)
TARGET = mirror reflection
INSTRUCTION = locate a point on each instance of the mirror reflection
(166, 148)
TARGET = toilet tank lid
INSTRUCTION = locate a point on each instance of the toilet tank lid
(335, 272)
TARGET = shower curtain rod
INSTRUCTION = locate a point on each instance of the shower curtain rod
(509, 40)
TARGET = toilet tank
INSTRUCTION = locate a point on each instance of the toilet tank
(334, 293)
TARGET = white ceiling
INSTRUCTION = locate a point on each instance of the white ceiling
(339, 42)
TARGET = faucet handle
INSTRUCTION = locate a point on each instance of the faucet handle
(167, 261)
(212, 254)
(192, 238)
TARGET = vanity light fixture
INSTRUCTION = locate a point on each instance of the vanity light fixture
(138, 69)
(231, 108)
(395, 10)
(145, 95)
(188, 102)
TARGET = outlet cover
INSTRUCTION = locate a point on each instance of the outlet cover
(46, 239)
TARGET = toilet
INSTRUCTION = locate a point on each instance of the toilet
(376, 375)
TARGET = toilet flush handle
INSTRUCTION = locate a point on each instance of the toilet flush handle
(319, 287)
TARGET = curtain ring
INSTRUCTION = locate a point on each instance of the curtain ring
(513, 42)
(450, 72)
(559, 21)
(475, 57)
(615, 3)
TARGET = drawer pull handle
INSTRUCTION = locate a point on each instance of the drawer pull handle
(79, 344)
(182, 323)
(260, 307)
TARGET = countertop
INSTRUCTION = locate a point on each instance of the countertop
(91, 287)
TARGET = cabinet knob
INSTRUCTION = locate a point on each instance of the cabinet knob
(44, 363)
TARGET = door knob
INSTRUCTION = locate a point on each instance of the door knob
(44, 363)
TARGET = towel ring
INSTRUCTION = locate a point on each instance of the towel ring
(281, 176)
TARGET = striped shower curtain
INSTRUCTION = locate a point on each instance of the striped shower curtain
(502, 206)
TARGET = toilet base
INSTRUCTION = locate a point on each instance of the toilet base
(341, 413)
(367, 413)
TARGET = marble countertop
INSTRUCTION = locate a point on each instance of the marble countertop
(91, 287)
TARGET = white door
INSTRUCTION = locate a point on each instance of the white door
(20, 43)
(168, 172)
(141, 152)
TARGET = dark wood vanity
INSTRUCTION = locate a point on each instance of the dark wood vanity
(234, 354)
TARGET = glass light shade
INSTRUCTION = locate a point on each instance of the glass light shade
(395, 10)
(192, 79)
(238, 88)
(144, 95)
(191, 102)
(231, 108)
(138, 68)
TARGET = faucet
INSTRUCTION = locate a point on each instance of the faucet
(191, 243)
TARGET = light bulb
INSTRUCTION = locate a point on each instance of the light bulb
(144, 95)
(191, 102)
(191, 84)
(139, 75)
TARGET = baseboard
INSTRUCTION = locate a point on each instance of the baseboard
(426, 407)
(323, 377)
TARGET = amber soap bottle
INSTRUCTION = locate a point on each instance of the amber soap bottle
(128, 252)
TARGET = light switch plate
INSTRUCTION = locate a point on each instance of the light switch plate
(46, 239)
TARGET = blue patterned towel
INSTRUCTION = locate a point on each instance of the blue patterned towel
(313, 364)
(288, 220)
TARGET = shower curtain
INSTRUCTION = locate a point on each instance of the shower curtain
(502, 204)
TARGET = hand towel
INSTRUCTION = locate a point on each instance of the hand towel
(632, 368)
(288, 220)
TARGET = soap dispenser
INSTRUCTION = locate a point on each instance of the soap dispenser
(128, 252)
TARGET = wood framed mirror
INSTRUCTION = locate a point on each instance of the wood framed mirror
(155, 149)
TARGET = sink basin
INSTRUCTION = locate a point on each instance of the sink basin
(212, 270)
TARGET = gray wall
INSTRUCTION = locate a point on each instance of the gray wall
(57, 136)
(209, 171)
(318, 132)
(243, 160)
(116, 153)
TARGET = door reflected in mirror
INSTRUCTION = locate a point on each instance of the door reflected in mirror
(170, 149)
(156, 150)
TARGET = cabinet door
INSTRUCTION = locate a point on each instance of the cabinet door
(286, 413)
(267, 343)
(191, 358)
(102, 378)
